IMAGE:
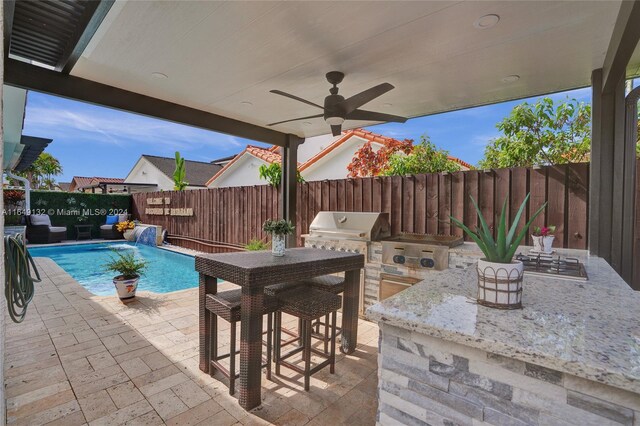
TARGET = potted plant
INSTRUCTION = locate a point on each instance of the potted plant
(543, 239)
(129, 269)
(278, 229)
(499, 276)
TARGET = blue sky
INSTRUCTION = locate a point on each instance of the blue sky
(94, 141)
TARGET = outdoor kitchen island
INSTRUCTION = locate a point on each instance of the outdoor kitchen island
(570, 356)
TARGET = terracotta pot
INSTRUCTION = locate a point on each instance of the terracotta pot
(500, 284)
(126, 287)
(278, 244)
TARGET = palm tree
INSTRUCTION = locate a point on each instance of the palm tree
(42, 171)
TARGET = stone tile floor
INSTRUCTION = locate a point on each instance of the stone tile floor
(82, 359)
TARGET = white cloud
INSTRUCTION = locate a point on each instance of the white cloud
(118, 128)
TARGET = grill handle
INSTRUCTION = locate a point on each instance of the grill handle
(331, 232)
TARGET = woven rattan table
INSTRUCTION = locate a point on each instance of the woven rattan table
(254, 270)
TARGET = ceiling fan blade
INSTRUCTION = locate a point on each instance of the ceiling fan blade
(356, 101)
(363, 115)
(336, 130)
(296, 119)
(287, 95)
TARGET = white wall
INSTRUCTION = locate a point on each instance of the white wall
(243, 172)
(314, 145)
(334, 165)
(145, 172)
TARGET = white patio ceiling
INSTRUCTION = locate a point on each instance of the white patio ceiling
(219, 56)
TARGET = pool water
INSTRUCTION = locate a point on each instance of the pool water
(167, 271)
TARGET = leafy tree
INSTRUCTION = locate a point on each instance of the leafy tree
(42, 171)
(273, 174)
(179, 175)
(401, 158)
(541, 133)
(369, 162)
(423, 158)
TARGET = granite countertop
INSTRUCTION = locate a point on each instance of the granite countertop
(590, 329)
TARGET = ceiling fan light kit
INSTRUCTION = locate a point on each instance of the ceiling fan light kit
(337, 109)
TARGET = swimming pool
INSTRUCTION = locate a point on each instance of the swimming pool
(167, 271)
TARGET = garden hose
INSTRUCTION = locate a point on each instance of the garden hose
(18, 265)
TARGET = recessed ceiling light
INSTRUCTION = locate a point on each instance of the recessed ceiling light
(246, 103)
(159, 75)
(511, 78)
(387, 104)
(486, 21)
(306, 123)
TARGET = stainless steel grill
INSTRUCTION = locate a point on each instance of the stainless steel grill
(347, 231)
(350, 232)
(350, 226)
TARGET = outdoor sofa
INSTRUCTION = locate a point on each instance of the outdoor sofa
(108, 231)
(41, 231)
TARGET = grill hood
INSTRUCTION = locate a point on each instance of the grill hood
(350, 226)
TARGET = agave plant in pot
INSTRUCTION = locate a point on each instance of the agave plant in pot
(279, 229)
(499, 276)
(129, 269)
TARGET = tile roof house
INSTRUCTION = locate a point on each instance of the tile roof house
(157, 172)
(320, 158)
(242, 170)
(63, 186)
(94, 184)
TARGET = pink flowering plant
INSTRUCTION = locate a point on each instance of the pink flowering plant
(545, 231)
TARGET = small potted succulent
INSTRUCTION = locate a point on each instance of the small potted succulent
(499, 276)
(279, 229)
(129, 269)
(543, 239)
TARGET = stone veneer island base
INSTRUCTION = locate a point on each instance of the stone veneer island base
(570, 357)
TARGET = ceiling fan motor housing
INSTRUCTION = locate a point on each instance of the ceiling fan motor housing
(332, 111)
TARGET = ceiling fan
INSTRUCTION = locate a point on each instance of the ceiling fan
(337, 109)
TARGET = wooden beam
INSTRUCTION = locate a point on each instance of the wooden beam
(94, 13)
(9, 7)
(630, 267)
(30, 77)
(624, 40)
(596, 149)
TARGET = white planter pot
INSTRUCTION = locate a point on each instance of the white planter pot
(278, 244)
(500, 284)
(547, 243)
(126, 288)
(537, 243)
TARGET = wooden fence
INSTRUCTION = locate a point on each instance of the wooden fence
(420, 204)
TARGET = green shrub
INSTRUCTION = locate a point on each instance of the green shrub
(256, 245)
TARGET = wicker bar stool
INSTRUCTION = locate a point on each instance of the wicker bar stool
(226, 305)
(331, 284)
(275, 290)
(307, 304)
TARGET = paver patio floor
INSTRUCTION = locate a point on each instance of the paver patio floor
(83, 359)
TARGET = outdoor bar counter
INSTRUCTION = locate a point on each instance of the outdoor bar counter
(570, 356)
